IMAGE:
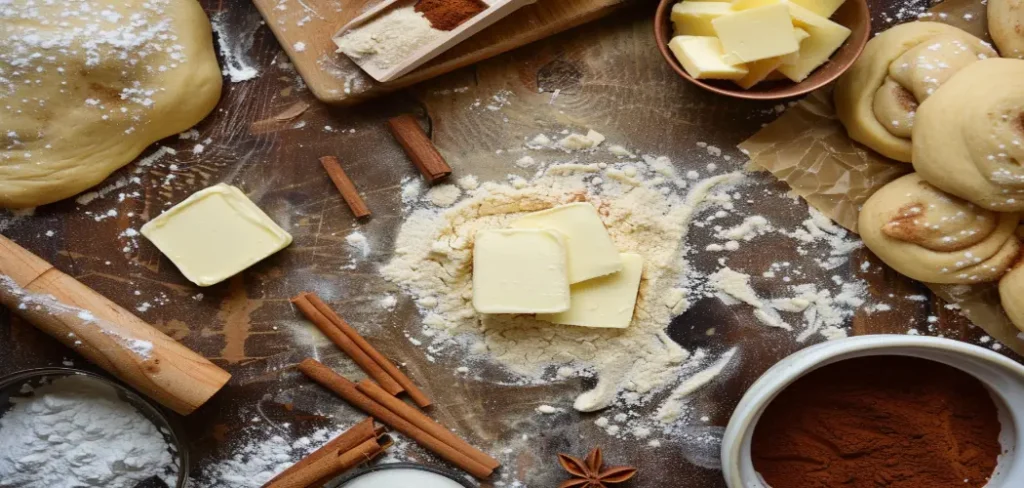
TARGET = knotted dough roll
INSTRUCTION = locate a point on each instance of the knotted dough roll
(937, 238)
(1011, 293)
(969, 136)
(1006, 25)
(877, 98)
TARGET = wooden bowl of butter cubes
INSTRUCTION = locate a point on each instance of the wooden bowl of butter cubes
(761, 49)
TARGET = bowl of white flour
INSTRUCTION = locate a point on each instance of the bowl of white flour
(66, 428)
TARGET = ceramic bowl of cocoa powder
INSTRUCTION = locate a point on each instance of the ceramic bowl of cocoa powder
(981, 391)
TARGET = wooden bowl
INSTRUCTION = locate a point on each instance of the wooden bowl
(853, 14)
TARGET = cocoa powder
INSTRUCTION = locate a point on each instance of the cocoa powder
(882, 421)
(448, 14)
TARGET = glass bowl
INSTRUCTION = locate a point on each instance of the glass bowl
(11, 386)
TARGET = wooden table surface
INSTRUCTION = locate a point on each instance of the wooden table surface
(607, 75)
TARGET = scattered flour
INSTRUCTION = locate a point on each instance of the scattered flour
(433, 259)
(236, 64)
(444, 195)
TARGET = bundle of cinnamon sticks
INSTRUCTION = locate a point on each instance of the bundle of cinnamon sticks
(376, 396)
(361, 443)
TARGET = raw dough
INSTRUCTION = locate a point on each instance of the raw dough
(877, 98)
(88, 84)
(1006, 25)
(937, 238)
(969, 136)
(1011, 292)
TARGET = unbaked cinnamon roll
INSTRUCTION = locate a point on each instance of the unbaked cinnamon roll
(877, 99)
(937, 238)
(969, 136)
(1006, 25)
(1011, 293)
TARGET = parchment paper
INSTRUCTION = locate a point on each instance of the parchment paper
(809, 150)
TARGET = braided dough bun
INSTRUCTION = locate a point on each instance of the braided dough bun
(1011, 293)
(969, 136)
(86, 86)
(937, 238)
(1006, 25)
(877, 98)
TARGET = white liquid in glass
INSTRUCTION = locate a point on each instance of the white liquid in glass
(401, 478)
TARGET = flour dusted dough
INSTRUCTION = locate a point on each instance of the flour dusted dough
(88, 84)
(1011, 293)
(969, 136)
(937, 238)
(1006, 25)
(877, 98)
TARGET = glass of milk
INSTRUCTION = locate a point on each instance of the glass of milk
(400, 475)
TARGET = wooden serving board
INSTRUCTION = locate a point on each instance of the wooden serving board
(305, 27)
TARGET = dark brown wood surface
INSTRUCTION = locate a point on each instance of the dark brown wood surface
(607, 75)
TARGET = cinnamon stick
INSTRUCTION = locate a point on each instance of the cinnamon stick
(345, 186)
(414, 392)
(348, 391)
(419, 148)
(350, 348)
(355, 435)
(419, 419)
(324, 468)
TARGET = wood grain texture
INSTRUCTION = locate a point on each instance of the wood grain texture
(305, 30)
(607, 75)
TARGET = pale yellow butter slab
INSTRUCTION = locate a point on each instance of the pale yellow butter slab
(590, 249)
(607, 301)
(701, 57)
(520, 271)
(214, 234)
(692, 18)
(825, 37)
(756, 33)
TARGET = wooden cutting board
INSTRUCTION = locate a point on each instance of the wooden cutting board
(305, 27)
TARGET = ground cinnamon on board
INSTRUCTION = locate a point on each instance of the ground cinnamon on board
(448, 14)
(882, 421)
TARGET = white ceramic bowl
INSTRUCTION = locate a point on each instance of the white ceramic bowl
(1003, 377)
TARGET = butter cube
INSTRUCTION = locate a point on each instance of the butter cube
(824, 8)
(590, 249)
(759, 71)
(520, 271)
(755, 34)
(694, 18)
(214, 234)
(607, 301)
(701, 57)
(825, 38)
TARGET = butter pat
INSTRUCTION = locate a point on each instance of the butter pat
(824, 8)
(757, 33)
(701, 57)
(607, 301)
(759, 71)
(214, 234)
(692, 18)
(591, 252)
(825, 37)
(520, 271)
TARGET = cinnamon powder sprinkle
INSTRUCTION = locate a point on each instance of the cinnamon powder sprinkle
(448, 14)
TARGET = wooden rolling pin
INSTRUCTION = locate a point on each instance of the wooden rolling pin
(105, 333)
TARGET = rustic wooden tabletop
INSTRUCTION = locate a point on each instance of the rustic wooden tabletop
(607, 75)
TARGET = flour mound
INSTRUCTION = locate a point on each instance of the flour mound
(433, 262)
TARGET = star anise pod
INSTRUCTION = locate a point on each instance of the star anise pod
(591, 473)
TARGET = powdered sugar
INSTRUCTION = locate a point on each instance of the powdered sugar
(76, 432)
